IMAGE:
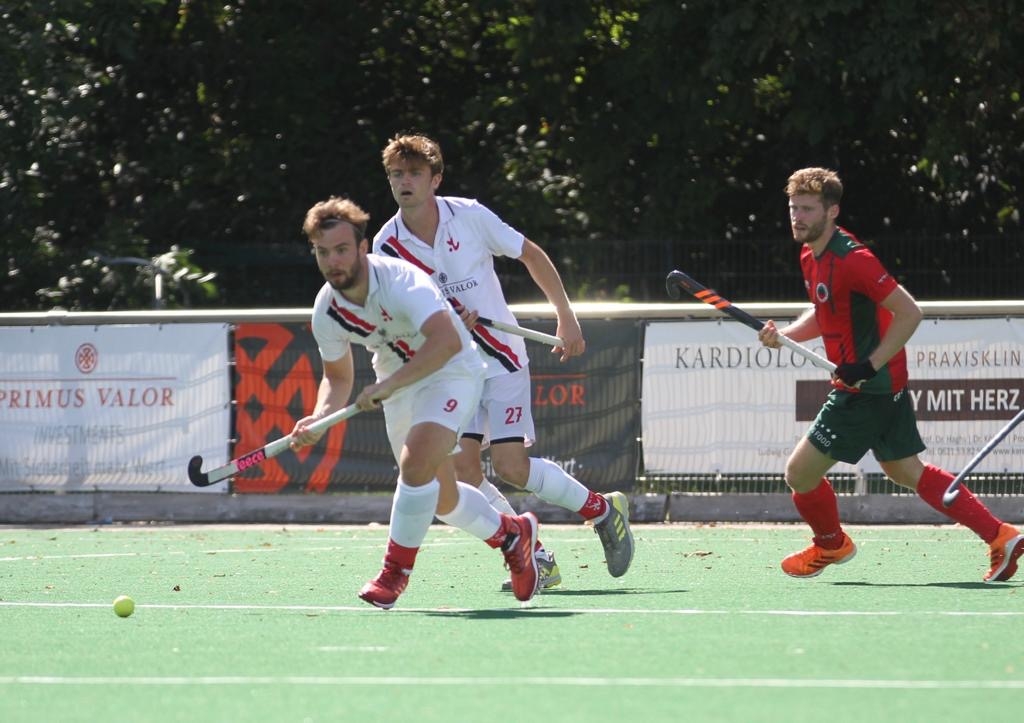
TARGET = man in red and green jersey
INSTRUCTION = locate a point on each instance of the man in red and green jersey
(865, 319)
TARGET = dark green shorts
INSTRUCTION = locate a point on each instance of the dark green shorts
(849, 424)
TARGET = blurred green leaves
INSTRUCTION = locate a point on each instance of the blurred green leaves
(204, 130)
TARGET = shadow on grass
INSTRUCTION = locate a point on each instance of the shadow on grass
(535, 608)
(956, 585)
(499, 614)
(595, 593)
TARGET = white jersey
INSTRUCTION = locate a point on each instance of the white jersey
(461, 263)
(399, 300)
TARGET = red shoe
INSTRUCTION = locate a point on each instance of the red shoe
(384, 589)
(1004, 551)
(518, 552)
(810, 562)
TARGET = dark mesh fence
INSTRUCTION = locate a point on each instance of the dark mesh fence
(767, 269)
(932, 268)
(844, 483)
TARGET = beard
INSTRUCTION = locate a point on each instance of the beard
(343, 284)
(810, 234)
(342, 279)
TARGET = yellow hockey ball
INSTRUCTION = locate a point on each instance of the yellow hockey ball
(124, 606)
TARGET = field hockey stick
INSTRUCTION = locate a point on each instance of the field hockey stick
(205, 479)
(520, 331)
(511, 328)
(954, 487)
(677, 280)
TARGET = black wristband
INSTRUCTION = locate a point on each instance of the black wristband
(853, 374)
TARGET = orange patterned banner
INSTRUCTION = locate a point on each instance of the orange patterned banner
(276, 385)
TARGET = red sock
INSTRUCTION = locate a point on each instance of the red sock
(506, 528)
(404, 557)
(820, 510)
(595, 506)
(498, 538)
(966, 509)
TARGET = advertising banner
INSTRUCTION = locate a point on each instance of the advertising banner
(278, 372)
(716, 401)
(585, 410)
(119, 407)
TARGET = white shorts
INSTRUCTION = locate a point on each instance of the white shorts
(504, 412)
(447, 400)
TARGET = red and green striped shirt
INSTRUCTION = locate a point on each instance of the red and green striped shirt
(847, 284)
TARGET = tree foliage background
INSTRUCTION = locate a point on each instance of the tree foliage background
(185, 139)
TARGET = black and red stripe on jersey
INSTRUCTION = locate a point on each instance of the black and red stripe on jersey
(362, 328)
(493, 347)
(393, 247)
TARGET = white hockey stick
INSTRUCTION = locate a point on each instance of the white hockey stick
(954, 487)
(520, 331)
(205, 479)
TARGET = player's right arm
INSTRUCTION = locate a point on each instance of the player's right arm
(335, 389)
(906, 316)
(804, 328)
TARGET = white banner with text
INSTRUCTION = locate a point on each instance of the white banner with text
(119, 407)
(716, 401)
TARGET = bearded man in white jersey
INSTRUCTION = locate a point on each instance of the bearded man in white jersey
(429, 378)
(455, 240)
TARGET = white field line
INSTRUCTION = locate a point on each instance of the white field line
(200, 528)
(461, 539)
(170, 553)
(504, 682)
(352, 648)
(632, 612)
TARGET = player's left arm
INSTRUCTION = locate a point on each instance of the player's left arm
(545, 275)
(906, 316)
(868, 276)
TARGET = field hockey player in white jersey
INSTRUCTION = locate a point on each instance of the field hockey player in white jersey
(428, 380)
(455, 240)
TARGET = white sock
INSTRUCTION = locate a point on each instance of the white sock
(552, 484)
(498, 501)
(412, 511)
(473, 513)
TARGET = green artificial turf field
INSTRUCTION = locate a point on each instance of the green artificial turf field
(250, 623)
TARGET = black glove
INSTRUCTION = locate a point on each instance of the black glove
(853, 374)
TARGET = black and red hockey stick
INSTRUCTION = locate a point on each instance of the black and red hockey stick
(677, 280)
